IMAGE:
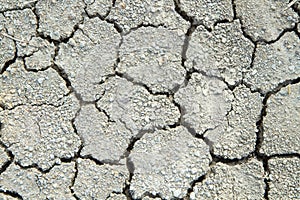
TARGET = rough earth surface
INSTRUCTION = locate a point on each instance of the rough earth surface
(224, 182)
(284, 175)
(149, 100)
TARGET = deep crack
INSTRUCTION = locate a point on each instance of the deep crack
(73, 181)
(182, 13)
(198, 180)
(12, 61)
(9, 154)
(170, 94)
(11, 194)
(260, 134)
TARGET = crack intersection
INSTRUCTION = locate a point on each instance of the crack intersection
(170, 94)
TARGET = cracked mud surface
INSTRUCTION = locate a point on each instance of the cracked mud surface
(149, 100)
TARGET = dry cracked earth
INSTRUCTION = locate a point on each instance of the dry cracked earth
(149, 99)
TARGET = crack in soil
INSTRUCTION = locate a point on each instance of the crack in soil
(9, 154)
(11, 194)
(28, 5)
(12, 61)
(129, 163)
(260, 136)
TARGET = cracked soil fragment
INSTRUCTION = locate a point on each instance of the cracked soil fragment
(236, 138)
(134, 106)
(130, 14)
(6, 5)
(89, 56)
(265, 19)
(102, 139)
(19, 28)
(204, 102)
(275, 63)
(42, 54)
(207, 12)
(21, 25)
(19, 87)
(147, 59)
(32, 184)
(41, 135)
(7, 45)
(284, 111)
(165, 163)
(98, 7)
(241, 181)
(224, 52)
(227, 118)
(99, 181)
(284, 178)
(58, 18)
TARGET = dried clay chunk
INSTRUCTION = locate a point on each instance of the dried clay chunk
(102, 139)
(7, 45)
(57, 19)
(41, 135)
(275, 63)
(226, 118)
(89, 56)
(147, 59)
(20, 25)
(205, 102)
(236, 137)
(19, 87)
(32, 184)
(224, 52)
(165, 163)
(207, 12)
(99, 181)
(14, 5)
(129, 14)
(265, 19)
(241, 181)
(284, 178)
(283, 109)
(134, 106)
(98, 7)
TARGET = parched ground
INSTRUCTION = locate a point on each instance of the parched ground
(149, 99)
